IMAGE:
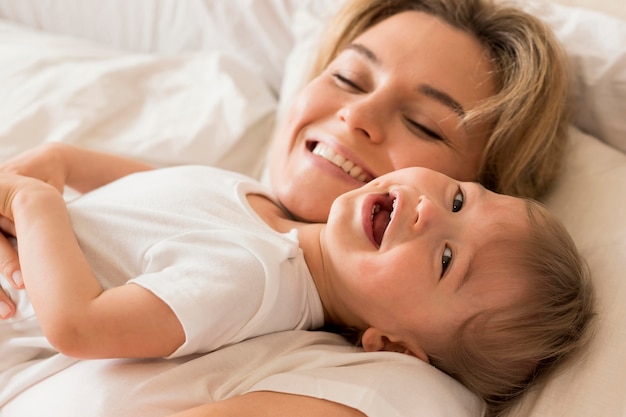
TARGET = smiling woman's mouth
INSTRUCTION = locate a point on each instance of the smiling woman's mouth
(352, 169)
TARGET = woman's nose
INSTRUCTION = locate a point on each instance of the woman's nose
(363, 118)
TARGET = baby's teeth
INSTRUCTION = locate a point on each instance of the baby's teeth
(375, 209)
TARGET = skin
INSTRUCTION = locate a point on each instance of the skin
(270, 404)
(391, 261)
(408, 291)
(363, 110)
(338, 109)
(374, 106)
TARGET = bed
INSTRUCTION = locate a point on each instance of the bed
(203, 81)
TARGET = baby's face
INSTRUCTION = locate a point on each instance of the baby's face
(398, 252)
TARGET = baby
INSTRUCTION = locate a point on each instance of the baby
(188, 259)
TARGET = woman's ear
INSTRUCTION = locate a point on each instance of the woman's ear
(373, 340)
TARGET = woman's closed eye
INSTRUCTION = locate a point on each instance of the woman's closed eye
(423, 130)
(344, 81)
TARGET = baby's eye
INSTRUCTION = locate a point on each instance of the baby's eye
(457, 201)
(446, 259)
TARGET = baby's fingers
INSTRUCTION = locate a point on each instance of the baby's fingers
(7, 308)
(10, 269)
(9, 263)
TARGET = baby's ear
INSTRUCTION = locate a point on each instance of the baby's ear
(373, 340)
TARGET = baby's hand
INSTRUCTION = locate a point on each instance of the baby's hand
(44, 162)
(18, 192)
(10, 270)
(26, 198)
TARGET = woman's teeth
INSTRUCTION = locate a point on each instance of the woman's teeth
(348, 166)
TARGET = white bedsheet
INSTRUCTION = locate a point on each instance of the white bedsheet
(176, 84)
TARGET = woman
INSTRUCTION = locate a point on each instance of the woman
(476, 91)
(482, 97)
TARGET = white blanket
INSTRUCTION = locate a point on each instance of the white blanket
(201, 81)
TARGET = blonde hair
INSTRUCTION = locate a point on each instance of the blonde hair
(500, 354)
(529, 113)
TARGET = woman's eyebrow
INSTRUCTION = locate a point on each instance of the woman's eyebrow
(365, 52)
(426, 89)
(442, 97)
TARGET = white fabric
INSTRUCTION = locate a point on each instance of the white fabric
(310, 363)
(204, 108)
(257, 31)
(589, 198)
(189, 236)
(596, 47)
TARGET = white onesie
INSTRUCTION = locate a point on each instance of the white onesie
(188, 235)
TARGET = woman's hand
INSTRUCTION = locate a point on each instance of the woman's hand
(44, 162)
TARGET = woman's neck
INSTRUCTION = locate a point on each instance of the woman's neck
(308, 238)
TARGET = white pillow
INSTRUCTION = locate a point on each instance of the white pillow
(263, 32)
(38, 105)
(256, 31)
(315, 364)
(204, 108)
(596, 46)
(589, 198)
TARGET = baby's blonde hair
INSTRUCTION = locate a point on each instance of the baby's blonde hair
(500, 354)
(529, 113)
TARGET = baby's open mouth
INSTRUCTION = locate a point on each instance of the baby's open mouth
(352, 169)
(382, 214)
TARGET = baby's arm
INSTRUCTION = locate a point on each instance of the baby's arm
(76, 315)
(61, 164)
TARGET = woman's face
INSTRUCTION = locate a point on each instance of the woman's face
(392, 99)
